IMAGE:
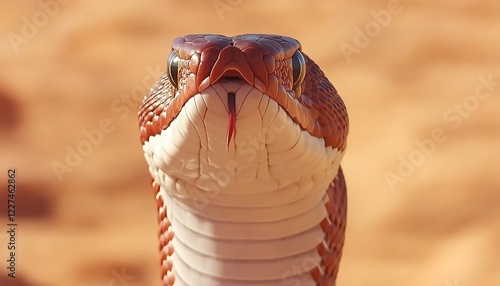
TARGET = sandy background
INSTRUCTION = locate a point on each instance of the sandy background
(64, 71)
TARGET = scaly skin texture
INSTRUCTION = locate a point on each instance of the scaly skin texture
(264, 62)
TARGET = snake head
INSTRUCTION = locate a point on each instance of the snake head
(274, 65)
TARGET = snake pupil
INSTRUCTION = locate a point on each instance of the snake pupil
(298, 68)
(173, 68)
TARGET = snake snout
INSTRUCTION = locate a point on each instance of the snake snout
(232, 63)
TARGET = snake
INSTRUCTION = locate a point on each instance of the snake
(244, 137)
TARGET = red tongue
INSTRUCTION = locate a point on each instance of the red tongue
(231, 105)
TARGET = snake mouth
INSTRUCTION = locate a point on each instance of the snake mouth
(231, 106)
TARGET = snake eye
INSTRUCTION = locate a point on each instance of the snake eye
(173, 68)
(298, 68)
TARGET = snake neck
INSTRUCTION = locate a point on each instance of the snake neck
(245, 214)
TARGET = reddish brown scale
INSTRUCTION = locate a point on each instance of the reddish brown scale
(334, 231)
(272, 88)
(254, 58)
(165, 235)
(270, 63)
(194, 63)
(316, 274)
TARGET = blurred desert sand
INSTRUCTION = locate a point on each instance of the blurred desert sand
(432, 221)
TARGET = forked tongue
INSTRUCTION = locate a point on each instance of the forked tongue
(231, 105)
